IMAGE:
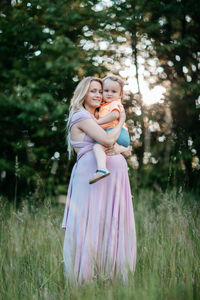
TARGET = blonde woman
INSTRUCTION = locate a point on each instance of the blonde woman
(100, 239)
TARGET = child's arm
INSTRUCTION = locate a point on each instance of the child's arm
(114, 115)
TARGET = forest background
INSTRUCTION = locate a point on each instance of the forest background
(47, 47)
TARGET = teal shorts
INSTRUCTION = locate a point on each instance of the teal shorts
(123, 139)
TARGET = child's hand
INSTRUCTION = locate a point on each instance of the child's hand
(96, 114)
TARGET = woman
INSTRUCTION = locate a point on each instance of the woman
(100, 237)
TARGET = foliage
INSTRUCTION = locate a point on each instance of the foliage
(42, 58)
(165, 34)
(46, 47)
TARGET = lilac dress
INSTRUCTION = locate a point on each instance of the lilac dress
(100, 238)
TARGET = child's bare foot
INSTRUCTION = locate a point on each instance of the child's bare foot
(99, 175)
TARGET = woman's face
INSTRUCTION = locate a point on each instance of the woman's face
(93, 98)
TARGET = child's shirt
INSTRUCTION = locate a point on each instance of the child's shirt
(107, 108)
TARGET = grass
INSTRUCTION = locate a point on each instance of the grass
(168, 248)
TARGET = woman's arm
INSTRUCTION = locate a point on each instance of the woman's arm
(114, 115)
(107, 139)
(118, 149)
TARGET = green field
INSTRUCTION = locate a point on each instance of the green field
(168, 252)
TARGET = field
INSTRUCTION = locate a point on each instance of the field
(168, 248)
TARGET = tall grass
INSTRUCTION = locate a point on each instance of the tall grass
(168, 252)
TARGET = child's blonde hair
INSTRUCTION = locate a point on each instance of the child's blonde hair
(76, 104)
(115, 78)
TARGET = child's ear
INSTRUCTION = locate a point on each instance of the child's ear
(121, 94)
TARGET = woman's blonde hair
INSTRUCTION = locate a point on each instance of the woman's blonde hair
(115, 78)
(76, 104)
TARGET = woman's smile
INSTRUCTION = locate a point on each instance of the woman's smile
(98, 101)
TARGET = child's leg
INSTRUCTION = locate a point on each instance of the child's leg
(99, 152)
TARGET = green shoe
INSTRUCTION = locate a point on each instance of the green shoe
(101, 173)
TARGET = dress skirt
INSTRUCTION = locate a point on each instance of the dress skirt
(100, 237)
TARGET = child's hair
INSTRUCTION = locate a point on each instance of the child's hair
(115, 78)
(77, 102)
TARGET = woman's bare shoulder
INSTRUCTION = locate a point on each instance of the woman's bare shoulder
(80, 116)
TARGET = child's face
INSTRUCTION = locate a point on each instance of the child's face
(111, 90)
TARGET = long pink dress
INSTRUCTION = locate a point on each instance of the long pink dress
(100, 238)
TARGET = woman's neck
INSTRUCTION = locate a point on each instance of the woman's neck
(89, 108)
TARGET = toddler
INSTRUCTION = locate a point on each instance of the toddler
(108, 116)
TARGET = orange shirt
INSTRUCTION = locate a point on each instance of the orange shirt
(107, 108)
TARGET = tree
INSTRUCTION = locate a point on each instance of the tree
(168, 33)
(42, 58)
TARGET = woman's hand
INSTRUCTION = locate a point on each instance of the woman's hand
(118, 149)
